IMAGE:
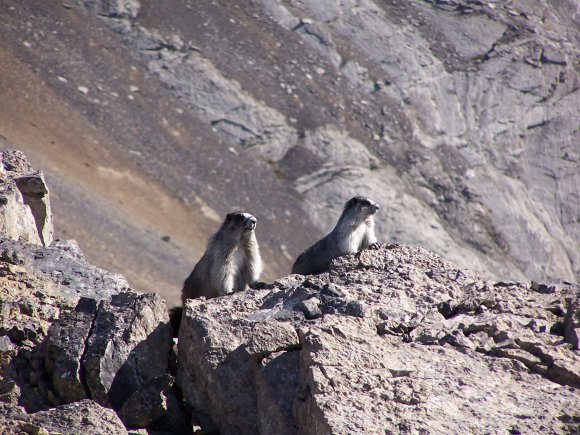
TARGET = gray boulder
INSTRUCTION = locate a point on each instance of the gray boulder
(406, 342)
(64, 265)
(129, 345)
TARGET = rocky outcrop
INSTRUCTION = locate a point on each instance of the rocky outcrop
(397, 337)
(24, 207)
(110, 346)
(393, 340)
(73, 335)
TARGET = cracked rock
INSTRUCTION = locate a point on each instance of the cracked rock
(436, 349)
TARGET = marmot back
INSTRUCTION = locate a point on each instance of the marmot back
(230, 263)
(354, 231)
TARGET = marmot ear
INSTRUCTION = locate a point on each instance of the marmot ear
(229, 217)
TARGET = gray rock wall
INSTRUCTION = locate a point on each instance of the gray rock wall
(459, 118)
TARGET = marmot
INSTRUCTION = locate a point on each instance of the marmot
(354, 231)
(231, 263)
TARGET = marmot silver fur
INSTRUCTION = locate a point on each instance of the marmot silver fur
(230, 263)
(354, 231)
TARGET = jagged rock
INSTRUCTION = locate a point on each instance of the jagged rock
(79, 417)
(217, 360)
(24, 206)
(430, 348)
(59, 348)
(35, 195)
(71, 331)
(153, 402)
(129, 346)
(65, 347)
(64, 265)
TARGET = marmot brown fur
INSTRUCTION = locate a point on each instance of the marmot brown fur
(354, 231)
(231, 263)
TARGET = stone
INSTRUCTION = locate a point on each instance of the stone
(17, 218)
(310, 308)
(35, 195)
(63, 264)
(398, 364)
(148, 404)
(216, 367)
(129, 346)
(65, 347)
(80, 417)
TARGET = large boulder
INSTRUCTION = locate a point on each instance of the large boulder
(397, 337)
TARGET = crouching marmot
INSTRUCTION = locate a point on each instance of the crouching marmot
(231, 263)
(354, 231)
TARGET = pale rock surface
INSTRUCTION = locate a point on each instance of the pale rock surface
(406, 342)
(24, 200)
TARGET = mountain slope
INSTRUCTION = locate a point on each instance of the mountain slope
(459, 118)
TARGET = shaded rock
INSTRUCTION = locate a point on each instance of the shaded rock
(217, 361)
(310, 308)
(65, 347)
(35, 194)
(149, 404)
(277, 383)
(17, 220)
(128, 347)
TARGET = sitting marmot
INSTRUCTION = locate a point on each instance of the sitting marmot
(231, 263)
(354, 231)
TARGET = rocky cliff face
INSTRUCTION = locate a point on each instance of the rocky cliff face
(459, 117)
(393, 340)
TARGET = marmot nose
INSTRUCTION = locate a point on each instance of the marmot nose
(251, 222)
(376, 206)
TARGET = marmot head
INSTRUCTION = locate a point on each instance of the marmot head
(361, 207)
(239, 223)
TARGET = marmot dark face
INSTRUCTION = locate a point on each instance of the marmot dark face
(237, 221)
(361, 205)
